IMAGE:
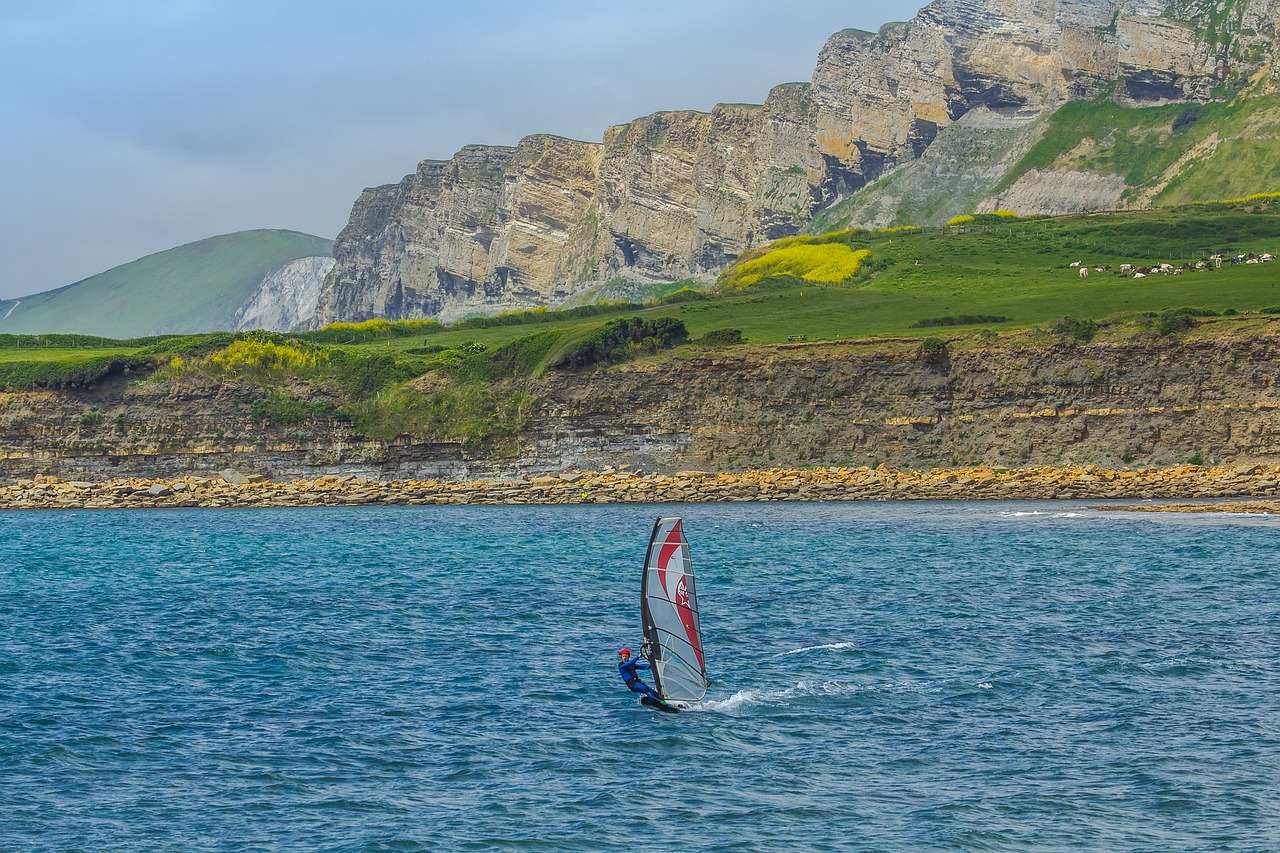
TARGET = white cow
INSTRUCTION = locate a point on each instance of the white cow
(1084, 272)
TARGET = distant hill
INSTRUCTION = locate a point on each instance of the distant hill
(199, 287)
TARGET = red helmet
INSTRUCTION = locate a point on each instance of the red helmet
(624, 651)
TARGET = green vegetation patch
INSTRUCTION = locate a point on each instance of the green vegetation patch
(1170, 154)
(68, 369)
(960, 320)
(816, 262)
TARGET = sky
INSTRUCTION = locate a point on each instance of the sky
(133, 126)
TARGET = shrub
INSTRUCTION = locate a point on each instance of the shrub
(684, 294)
(29, 375)
(251, 356)
(960, 220)
(933, 346)
(961, 320)
(1173, 322)
(1186, 118)
(194, 346)
(364, 375)
(826, 262)
(621, 339)
(721, 338)
(1075, 329)
(526, 356)
(369, 330)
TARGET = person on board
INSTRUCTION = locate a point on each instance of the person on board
(627, 669)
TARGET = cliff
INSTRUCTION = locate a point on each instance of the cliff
(286, 296)
(1137, 402)
(678, 195)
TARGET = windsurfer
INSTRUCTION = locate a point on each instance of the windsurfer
(627, 667)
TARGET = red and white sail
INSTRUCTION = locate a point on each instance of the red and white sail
(669, 614)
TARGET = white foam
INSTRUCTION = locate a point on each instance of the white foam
(750, 697)
(802, 650)
(1047, 513)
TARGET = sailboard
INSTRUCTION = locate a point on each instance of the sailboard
(669, 615)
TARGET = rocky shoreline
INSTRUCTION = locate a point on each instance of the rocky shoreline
(610, 486)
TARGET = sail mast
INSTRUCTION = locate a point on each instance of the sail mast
(669, 615)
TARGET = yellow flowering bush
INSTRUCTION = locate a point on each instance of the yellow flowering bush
(248, 355)
(826, 262)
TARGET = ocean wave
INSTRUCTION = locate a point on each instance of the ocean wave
(808, 689)
(803, 649)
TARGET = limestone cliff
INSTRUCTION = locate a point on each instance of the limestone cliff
(286, 296)
(678, 195)
(1139, 402)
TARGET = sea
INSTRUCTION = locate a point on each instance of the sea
(912, 676)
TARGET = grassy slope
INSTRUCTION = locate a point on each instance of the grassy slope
(1020, 269)
(193, 288)
(968, 160)
(1218, 151)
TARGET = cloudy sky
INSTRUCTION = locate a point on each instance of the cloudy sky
(132, 126)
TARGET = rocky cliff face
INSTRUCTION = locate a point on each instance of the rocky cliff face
(679, 195)
(286, 296)
(1139, 403)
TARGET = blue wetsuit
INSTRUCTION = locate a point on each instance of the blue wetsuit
(627, 670)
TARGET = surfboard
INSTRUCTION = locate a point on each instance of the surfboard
(669, 616)
(650, 702)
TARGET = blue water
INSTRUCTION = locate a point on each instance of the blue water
(886, 677)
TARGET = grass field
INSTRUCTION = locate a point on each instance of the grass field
(1018, 269)
(1171, 154)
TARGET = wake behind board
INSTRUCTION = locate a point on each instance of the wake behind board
(669, 616)
(650, 702)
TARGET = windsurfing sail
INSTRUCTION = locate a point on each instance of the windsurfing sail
(669, 614)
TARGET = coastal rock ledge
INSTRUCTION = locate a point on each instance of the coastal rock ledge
(615, 486)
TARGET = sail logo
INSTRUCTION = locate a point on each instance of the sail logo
(682, 594)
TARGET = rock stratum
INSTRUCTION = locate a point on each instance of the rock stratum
(678, 195)
(1135, 403)
(613, 486)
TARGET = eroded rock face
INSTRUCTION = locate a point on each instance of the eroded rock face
(681, 194)
(1141, 402)
(286, 297)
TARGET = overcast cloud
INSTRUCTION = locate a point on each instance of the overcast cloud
(131, 126)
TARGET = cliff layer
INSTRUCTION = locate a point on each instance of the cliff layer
(678, 195)
(855, 404)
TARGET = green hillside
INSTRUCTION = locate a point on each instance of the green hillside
(976, 282)
(193, 288)
(1169, 154)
